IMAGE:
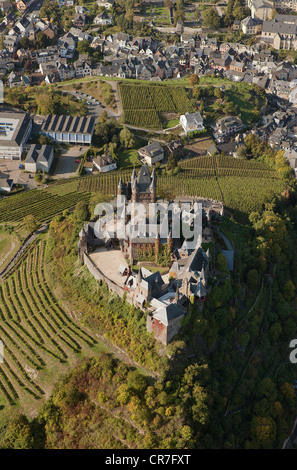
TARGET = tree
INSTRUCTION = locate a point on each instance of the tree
(81, 212)
(127, 138)
(30, 223)
(211, 18)
(221, 263)
(83, 47)
(193, 79)
(24, 42)
(18, 434)
(171, 163)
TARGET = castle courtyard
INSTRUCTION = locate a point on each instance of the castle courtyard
(109, 261)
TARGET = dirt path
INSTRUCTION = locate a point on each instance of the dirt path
(22, 248)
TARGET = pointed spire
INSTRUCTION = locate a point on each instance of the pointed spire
(202, 274)
(120, 183)
(177, 293)
(154, 180)
(135, 184)
(200, 290)
(139, 275)
(133, 176)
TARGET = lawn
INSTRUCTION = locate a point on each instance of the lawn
(172, 123)
(128, 158)
(240, 95)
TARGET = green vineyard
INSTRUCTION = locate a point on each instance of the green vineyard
(143, 104)
(242, 185)
(44, 204)
(35, 331)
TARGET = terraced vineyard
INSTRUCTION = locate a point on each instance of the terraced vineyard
(42, 203)
(35, 330)
(143, 104)
(242, 185)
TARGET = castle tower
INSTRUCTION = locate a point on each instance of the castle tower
(120, 187)
(83, 243)
(133, 176)
(153, 187)
(135, 191)
(177, 294)
(170, 241)
(157, 244)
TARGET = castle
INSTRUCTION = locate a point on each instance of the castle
(141, 188)
(165, 298)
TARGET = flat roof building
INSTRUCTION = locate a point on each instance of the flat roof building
(15, 129)
(72, 129)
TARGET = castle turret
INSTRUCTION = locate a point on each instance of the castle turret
(120, 187)
(153, 186)
(83, 243)
(135, 190)
(170, 241)
(157, 244)
(133, 176)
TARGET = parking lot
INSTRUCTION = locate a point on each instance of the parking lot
(95, 107)
(68, 162)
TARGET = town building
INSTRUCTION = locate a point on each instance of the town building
(152, 153)
(6, 183)
(104, 163)
(191, 122)
(226, 126)
(261, 9)
(72, 129)
(39, 157)
(15, 129)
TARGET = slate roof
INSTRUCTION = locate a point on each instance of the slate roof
(68, 124)
(40, 153)
(167, 313)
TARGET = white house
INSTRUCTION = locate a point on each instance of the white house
(104, 163)
(103, 18)
(39, 157)
(191, 122)
(152, 153)
(6, 183)
(108, 4)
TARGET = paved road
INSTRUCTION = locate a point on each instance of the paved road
(229, 253)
